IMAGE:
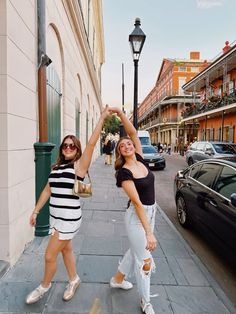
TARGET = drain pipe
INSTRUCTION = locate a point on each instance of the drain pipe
(43, 149)
(43, 62)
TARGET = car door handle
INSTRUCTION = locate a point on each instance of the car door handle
(213, 203)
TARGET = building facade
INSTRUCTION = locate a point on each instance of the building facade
(75, 47)
(215, 114)
(160, 112)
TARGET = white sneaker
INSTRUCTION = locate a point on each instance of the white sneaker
(71, 288)
(36, 294)
(126, 285)
(146, 307)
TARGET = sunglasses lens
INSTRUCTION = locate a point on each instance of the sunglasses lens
(70, 146)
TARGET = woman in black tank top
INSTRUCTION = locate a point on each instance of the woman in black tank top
(133, 175)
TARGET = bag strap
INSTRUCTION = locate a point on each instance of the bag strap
(85, 175)
(89, 177)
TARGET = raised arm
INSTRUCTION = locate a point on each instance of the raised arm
(83, 163)
(130, 129)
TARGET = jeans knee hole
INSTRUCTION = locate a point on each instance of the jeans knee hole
(146, 268)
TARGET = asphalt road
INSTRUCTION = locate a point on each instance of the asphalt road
(221, 271)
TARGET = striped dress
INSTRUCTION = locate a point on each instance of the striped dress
(64, 207)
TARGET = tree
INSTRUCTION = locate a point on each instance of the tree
(112, 125)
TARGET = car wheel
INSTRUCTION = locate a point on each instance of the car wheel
(190, 161)
(182, 212)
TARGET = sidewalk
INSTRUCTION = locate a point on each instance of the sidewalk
(182, 282)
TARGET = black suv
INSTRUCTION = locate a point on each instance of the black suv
(205, 150)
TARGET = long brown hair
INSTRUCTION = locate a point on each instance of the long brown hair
(120, 160)
(61, 157)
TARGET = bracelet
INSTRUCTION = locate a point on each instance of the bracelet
(35, 213)
(148, 232)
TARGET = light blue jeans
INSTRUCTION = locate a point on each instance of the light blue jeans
(133, 260)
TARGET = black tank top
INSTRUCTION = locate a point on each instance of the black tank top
(144, 186)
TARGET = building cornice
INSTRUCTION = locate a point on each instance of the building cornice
(97, 9)
(75, 18)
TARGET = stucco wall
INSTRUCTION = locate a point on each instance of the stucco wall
(19, 106)
(18, 125)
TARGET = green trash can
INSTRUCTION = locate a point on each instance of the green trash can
(43, 153)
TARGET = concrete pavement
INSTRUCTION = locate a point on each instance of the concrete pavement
(181, 280)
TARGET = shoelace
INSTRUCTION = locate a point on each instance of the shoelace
(40, 290)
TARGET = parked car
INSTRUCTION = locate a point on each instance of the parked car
(205, 195)
(153, 158)
(205, 150)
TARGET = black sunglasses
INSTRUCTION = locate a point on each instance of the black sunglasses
(70, 146)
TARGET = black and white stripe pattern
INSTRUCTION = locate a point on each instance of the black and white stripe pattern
(65, 211)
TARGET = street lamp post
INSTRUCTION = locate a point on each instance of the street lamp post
(122, 130)
(136, 39)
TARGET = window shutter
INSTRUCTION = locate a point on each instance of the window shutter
(218, 134)
(231, 133)
(203, 135)
(211, 134)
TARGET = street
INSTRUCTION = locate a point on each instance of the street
(220, 270)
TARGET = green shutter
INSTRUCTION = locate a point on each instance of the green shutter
(77, 117)
(54, 109)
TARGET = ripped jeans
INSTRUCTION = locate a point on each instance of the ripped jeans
(133, 260)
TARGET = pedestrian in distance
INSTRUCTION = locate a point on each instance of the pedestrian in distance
(64, 209)
(169, 149)
(108, 151)
(133, 175)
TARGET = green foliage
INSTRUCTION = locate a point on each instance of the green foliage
(112, 125)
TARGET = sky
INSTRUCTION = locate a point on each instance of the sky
(173, 28)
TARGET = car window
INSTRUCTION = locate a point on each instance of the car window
(208, 146)
(186, 173)
(208, 173)
(225, 148)
(194, 145)
(149, 150)
(194, 171)
(144, 140)
(226, 183)
(200, 146)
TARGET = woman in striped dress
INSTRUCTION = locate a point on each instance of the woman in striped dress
(65, 211)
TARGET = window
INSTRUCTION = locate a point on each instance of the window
(208, 147)
(195, 69)
(226, 183)
(200, 146)
(182, 69)
(194, 171)
(77, 117)
(225, 148)
(194, 146)
(182, 81)
(208, 173)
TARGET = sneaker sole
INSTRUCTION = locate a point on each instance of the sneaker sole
(115, 287)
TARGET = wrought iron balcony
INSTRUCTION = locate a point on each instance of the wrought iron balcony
(212, 103)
